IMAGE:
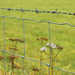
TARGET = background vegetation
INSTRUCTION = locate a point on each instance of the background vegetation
(61, 35)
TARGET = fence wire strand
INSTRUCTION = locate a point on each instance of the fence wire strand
(23, 57)
(24, 43)
(38, 11)
(4, 44)
(39, 21)
(50, 47)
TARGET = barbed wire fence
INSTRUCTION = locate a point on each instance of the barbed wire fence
(23, 19)
(38, 11)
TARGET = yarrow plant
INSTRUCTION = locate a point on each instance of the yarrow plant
(13, 57)
(54, 46)
(50, 46)
(42, 49)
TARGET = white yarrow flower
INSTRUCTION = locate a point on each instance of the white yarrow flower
(47, 44)
(43, 48)
(52, 45)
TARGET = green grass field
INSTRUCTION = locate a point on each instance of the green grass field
(61, 35)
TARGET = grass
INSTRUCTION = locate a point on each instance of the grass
(61, 35)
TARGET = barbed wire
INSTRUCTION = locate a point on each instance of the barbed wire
(38, 11)
(39, 21)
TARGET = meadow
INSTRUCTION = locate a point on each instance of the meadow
(63, 35)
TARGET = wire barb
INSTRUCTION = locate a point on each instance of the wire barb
(37, 11)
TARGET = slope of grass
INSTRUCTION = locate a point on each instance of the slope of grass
(61, 35)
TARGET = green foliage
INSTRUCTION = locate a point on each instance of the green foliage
(61, 35)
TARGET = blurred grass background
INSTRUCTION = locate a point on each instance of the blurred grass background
(61, 35)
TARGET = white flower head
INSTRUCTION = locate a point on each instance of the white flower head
(43, 49)
(47, 44)
(52, 45)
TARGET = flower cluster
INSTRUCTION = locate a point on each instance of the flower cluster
(35, 69)
(1, 57)
(19, 40)
(52, 45)
(43, 49)
(42, 38)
